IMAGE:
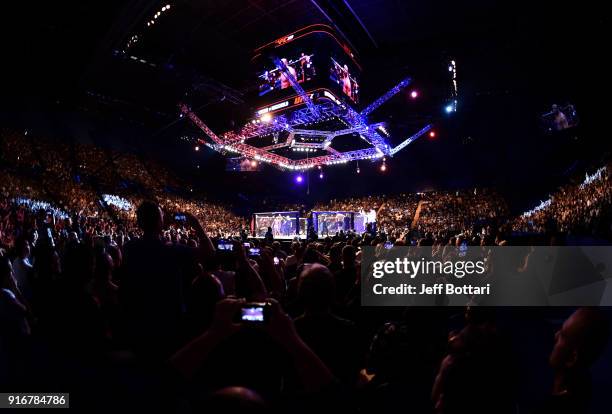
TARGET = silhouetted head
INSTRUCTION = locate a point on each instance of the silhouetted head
(316, 288)
(6, 272)
(150, 218)
(581, 339)
(348, 256)
(235, 399)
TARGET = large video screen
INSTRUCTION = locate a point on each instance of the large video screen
(347, 82)
(283, 224)
(301, 66)
(560, 117)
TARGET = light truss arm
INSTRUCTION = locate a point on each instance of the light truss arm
(261, 155)
(339, 158)
(311, 132)
(314, 145)
(275, 146)
(373, 137)
(245, 150)
(410, 139)
(296, 86)
(303, 115)
(384, 98)
(358, 130)
(194, 118)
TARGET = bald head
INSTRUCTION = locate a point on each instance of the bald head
(581, 339)
(235, 399)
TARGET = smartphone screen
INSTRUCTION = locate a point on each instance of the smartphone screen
(463, 247)
(180, 217)
(276, 261)
(225, 246)
(252, 314)
(254, 251)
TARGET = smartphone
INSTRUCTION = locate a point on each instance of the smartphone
(255, 313)
(180, 218)
(276, 261)
(246, 244)
(225, 245)
(463, 247)
(254, 251)
(388, 245)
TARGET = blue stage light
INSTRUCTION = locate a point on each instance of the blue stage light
(449, 109)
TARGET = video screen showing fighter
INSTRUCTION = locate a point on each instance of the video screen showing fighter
(301, 67)
(560, 117)
(342, 76)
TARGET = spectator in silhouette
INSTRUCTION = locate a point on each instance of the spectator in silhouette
(346, 277)
(154, 282)
(578, 344)
(13, 313)
(332, 338)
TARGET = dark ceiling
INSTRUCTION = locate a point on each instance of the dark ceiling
(514, 59)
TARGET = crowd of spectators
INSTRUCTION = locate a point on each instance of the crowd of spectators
(440, 211)
(118, 315)
(456, 211)
(137, 306)
(583, 208)
(72, 179)
(351, 204)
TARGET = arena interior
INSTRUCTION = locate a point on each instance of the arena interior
(195, 196)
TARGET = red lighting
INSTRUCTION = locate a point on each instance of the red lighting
(432, 134)
(414, 94)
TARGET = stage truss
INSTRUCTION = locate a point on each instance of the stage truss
(298, 123)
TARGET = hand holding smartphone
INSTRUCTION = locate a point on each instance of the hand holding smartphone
(255, 313)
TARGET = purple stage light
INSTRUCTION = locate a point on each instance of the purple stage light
(414, 94)
(299, 179)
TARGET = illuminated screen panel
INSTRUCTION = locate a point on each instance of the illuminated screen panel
(560, 117)
(300, 64)
(346, 81)
(315, 56)
(283, 224)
